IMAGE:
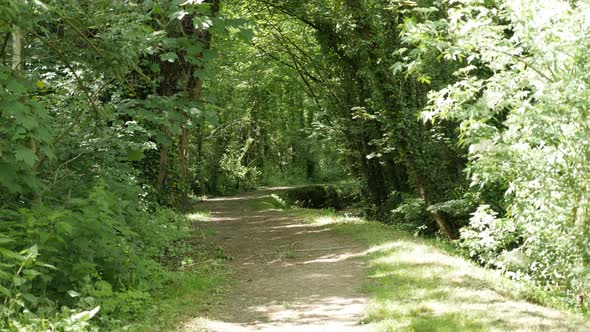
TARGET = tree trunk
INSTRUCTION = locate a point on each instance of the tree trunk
(162, 173)
(194, 89)
(163, 165)
(17, 50)
(423, 191)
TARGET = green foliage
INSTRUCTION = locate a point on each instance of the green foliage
(20, 272)
(82, 111)
(24, 128)
(338, 196)
(487, 238)
(101, 248)
(116, 109)
(520, 95)
(234, 172)
(410, 215)
(280, 202)
(427, 285)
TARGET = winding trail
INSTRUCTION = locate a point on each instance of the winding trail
(292, 275)
(287, 275)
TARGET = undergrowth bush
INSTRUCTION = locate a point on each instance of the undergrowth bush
(411, 214)
(520, 93)
(322, 196)
(103, 250)
(22, 309)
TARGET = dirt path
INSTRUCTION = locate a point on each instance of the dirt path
(289, 275)
(286, 275)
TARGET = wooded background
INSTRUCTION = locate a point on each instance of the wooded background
(464, 119)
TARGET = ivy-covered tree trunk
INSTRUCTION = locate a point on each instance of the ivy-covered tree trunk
(167, 88)
(194, 86)
(182, 72)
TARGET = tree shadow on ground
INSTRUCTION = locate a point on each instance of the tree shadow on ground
(291, 274)
(419, 287)
(288, 274)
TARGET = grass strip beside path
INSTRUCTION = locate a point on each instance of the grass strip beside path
(196, 286)
(422, 285)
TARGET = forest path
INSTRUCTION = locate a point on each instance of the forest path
(291, 274)
(287, 275)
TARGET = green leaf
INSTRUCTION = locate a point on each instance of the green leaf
(25, 155)
(15, 86)
(211, 98)
(18, 281)
(5, 291)
(34, 251)
(32, 299)
(211, 117)
(170, 57)
(85, 315)
(202, 74)
(194, 49)
(135, 154)
(424, 79)
(4, 240)
(31, 273)
(179, 15)
(246, 35)
(10, 254)
(64, 227)
(396, 68)
(236, 22)
(202, 23)
(5, 275)
(49, 266)
(8, 176)
(155, 67)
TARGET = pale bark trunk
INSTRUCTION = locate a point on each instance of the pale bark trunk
(17, 50)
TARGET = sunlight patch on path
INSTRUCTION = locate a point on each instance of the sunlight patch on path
(304, 273)
(287, 275)
(326, 314)
(417, 286)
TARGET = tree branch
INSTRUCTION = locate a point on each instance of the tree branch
(83, 87)
(552, 80)
(3, 50)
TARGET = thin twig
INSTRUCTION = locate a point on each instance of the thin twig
(3, 50)
(64, 164)
(526, 64)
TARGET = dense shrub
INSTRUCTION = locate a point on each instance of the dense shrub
(520, 93)
(409, 213)
(323, 196)
(103, 249)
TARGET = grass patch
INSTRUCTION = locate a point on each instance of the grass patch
(420, 284)
(196, 284)
(189, 294)
(269, 202)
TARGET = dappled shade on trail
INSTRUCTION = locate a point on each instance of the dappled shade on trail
(286, 276)
(303, 270)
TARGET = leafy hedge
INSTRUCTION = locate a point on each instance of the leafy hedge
(100, 254)
(323, 196)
